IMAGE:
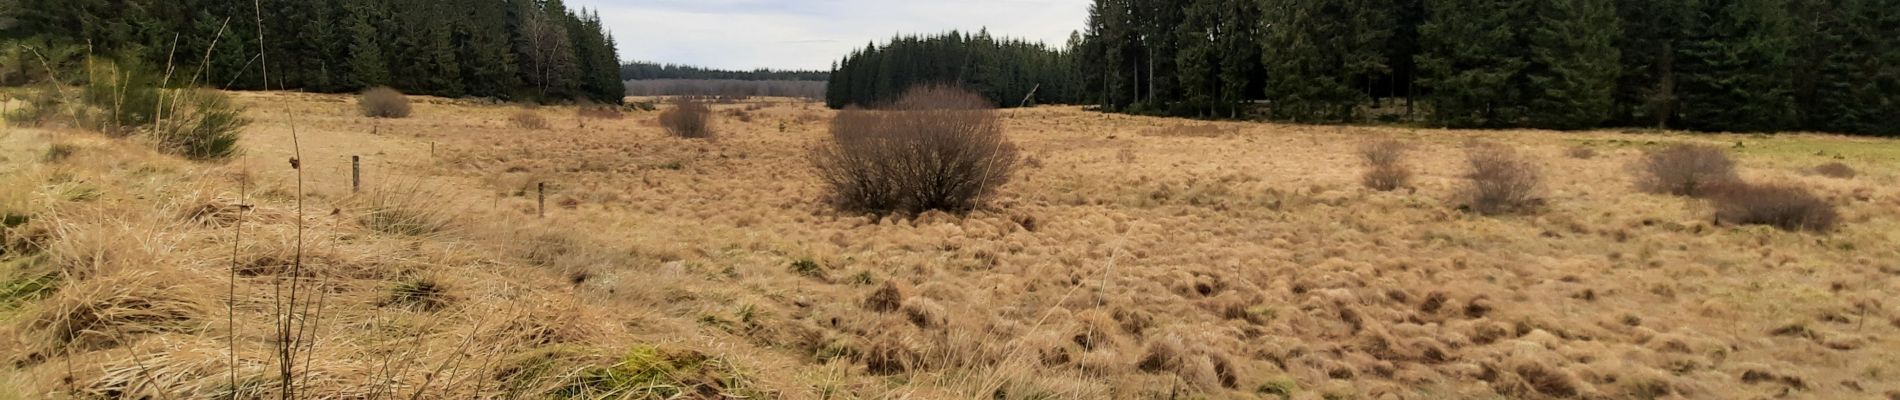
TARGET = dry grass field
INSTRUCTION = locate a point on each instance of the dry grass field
(1129, 257)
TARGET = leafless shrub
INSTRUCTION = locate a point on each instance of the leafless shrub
(1385, 168)
(689, 118)
(597, 111)
(1501, 181)
(383, 102)
(937, 148)
(525, 119)
(1685, 170)
(1835, 170)
(1789, 207)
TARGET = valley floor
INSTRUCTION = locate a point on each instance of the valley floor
(1130, 257)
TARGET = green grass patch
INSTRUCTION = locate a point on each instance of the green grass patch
(648, 372)
(23, 281)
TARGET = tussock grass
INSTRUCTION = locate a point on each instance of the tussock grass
(405, 209)
(1264, 261)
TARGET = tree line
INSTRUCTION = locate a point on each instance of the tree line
(1712, 65)
(726, 88)
(1719, 65)
(640, 71)
(1005, 71)
(531, 50)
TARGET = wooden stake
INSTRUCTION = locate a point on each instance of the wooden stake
(356, 173)
(541, 189)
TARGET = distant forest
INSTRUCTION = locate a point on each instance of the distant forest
(530, 50)
(1006, 71)
(653, 79)
(640, 71)
(1713, 65)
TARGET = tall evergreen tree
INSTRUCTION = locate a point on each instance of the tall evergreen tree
(1734, 67)
(1469, 58)
(1646, 93)
(1572, 64)
(365, 62)
(1319, 55)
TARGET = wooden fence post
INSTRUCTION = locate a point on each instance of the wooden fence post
(541, 189)
(356, 174)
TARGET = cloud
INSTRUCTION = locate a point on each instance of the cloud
(811, 34)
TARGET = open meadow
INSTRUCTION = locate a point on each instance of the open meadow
(496, 251)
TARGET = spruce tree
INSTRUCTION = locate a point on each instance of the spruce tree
(365, 62)
(1646, 94)
(1469, 58)
(1318, 54)
(1572, 64)
(1734, 74)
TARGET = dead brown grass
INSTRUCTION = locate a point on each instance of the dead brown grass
(1253, 251)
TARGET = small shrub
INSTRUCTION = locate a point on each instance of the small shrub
(1835, 170)
(689, 118)
(807, 267)
(120, 97)
(1581, 152)
(1686, 170)
(383, 102)
(58, 152)
(1789, 207)
(525, 119)
(42, 106)
(202, 125)
(871, 162)
(1385, 168)
(1501, 181)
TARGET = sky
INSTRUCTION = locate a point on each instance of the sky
(811, 34)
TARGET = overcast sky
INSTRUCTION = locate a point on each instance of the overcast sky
(810, 34)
